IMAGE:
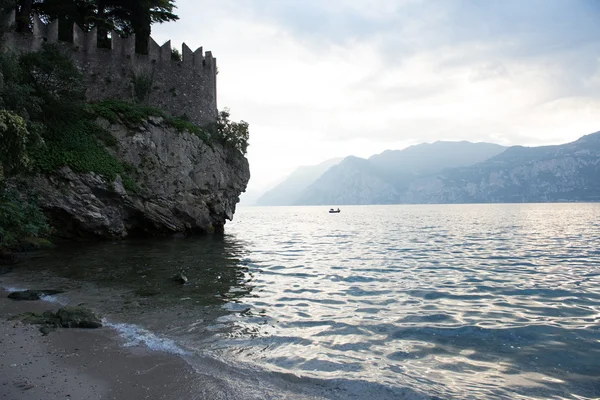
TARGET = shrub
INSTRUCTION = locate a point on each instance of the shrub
(16, 93)
(235, 134)
(53, 76)
(142, 82)
(13, 143)
(21, 219)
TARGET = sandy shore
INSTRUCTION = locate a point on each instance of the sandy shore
(82, 364)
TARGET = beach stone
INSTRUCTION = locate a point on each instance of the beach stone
(180, 278)
(78, 317)
(32, 318)
(47, 330)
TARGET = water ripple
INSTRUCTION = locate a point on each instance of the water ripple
(451, 301)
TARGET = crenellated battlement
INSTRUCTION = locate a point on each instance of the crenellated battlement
(182, 88)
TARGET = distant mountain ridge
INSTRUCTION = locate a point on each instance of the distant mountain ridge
(384, 177)
(451, 172)
(287, 192)
(568, 172)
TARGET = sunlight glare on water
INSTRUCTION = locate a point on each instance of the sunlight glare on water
(385, 302)
(462, 300)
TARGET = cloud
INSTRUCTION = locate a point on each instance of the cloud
(320, 79)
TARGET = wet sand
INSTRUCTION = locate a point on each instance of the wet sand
(82, 364)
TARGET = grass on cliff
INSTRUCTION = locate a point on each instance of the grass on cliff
(133, 114)
(224, 131)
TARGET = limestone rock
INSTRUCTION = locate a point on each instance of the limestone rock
(184, 185)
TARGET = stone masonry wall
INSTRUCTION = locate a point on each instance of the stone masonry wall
(181, 88)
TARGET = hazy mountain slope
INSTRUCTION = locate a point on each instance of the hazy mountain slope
(383, 177)
(569, 172)
(430, 158)
(288, 191)
(353, 181)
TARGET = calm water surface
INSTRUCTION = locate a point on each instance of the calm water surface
(465, 301)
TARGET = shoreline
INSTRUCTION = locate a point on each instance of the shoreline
(74, 363)
(82, 363)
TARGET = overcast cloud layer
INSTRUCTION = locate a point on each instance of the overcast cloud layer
(322, 79)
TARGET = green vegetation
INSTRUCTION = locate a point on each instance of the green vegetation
(142, 82)
(234, 134)
(127, 17)
(46, 90)
(225, 131)
(21, 220)
(132, 114)
(13, 143)
(45, 125)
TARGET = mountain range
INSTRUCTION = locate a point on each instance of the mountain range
(449, 172)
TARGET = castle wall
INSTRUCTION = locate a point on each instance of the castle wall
(181, 88)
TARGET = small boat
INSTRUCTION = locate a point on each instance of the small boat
(332, 211)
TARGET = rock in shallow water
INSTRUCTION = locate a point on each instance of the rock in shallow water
(66, 317)
(78, 317)
(30, 295)
(180, 278)
(46, 330)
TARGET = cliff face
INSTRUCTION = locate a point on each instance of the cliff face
(569, 172)
(183, 185)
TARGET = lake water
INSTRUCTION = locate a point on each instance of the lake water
(425, 301)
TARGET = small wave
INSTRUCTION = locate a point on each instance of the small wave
(12, 288)
(136, 335)
(55, 299)
(49, 298)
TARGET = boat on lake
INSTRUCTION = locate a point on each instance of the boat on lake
(332, 211)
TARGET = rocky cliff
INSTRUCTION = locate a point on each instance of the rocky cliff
(569, 172)
(182, 185)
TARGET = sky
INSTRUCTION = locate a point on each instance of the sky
(322, 79)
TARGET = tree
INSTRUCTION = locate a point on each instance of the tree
(68, 12)
(137, 16)
(235, 134)
(24, 10)
(127, 17)
(13, 143)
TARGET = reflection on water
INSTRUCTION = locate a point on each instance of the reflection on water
(133, 280)
(475, 301)
(455, 301)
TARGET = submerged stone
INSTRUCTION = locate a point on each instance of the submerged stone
(27, 295)
(180, 278)
(32, 318)
(46, 330)
(31, 295)
(78, 317)
(67, 317)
